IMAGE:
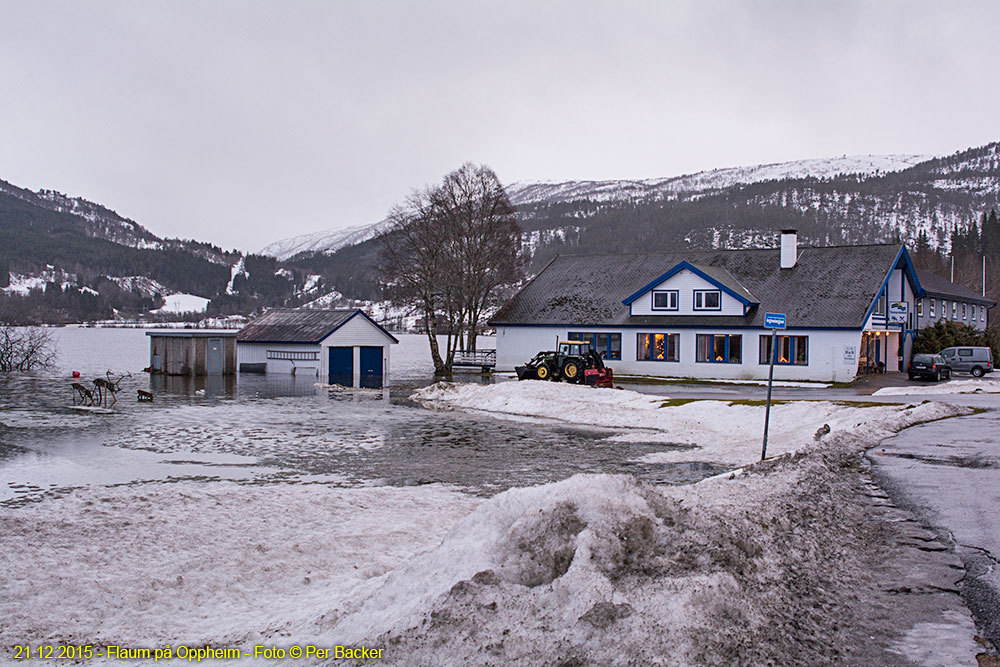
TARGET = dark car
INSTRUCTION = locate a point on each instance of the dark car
(932, 366)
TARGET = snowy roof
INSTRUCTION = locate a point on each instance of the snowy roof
(300, 325)
(829, 287)
(935, 285)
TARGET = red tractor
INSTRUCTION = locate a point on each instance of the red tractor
(574, 361)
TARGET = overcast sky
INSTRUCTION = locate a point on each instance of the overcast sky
(241, 122)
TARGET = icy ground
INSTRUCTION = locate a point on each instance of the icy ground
(984, 385)
(777, 564)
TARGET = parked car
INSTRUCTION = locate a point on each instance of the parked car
(932, 366)
(975, 360)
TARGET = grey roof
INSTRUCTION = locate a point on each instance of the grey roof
(299, 325)
(829, 287)
(935, 285)
(194, 333)
(722, 276)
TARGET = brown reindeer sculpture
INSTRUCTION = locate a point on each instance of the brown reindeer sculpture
(85, 395)
(105, 386)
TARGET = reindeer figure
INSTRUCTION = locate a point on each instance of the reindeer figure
(106, 386)
(85, 395)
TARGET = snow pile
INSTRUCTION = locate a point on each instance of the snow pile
(182, 303)
(716, 430)
(975, 386)
(774, 566)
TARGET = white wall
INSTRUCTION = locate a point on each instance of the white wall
(685, 282)
(256, 353)
(357, 333)
(517, 345)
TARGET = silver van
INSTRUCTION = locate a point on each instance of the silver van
(975, 360)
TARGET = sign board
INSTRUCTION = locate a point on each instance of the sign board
(898, 311)
(774, 320)
(850, 354)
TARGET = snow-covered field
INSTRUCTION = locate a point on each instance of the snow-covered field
(769, 565)
(985, 385)
(182, 303)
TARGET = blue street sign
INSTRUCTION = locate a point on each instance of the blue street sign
(774, 320)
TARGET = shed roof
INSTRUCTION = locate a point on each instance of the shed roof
(301, 325)
(830, 287)
(935, 285)
(194, 333)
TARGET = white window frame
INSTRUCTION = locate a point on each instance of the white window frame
(703, 293)
(672, 296)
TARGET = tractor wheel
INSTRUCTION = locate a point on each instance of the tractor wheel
(571, 371)
(543, 372)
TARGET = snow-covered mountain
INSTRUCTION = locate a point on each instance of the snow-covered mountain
(328, 240)
(103, 222)
(533, 192)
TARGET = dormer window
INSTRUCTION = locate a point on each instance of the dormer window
(665, 299)
(707, 299)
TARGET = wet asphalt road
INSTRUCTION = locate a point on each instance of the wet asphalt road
(948, 474)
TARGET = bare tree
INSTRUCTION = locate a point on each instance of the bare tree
(23, 349)
(486, 242)
(446, 250)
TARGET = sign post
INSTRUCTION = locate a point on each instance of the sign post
(772, 321)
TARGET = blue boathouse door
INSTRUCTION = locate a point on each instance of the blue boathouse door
(371, 367)
(342, 366)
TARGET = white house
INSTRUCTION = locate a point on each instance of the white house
(944, 301)
(700, 314)
(343, 347)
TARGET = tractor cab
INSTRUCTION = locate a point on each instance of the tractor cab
(575, 348)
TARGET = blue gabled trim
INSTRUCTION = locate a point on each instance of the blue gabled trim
(351, 317)
(701, 274)
(911, 273)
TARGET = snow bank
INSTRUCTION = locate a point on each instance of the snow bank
(974, 386)
(713, 430)
(775, 566)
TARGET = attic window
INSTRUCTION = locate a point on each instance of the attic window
(665, 299)
(707, 300)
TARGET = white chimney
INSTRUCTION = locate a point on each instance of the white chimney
(789, 248)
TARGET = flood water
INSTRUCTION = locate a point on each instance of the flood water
(266, 429)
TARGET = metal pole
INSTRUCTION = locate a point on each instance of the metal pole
(770, 380)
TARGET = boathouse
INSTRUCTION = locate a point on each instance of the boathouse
(192, 351)
(345, 347)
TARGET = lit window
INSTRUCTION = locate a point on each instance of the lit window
(719, 348)
(658, 347)
(665, 300)
(792, 350)
(707, 300)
